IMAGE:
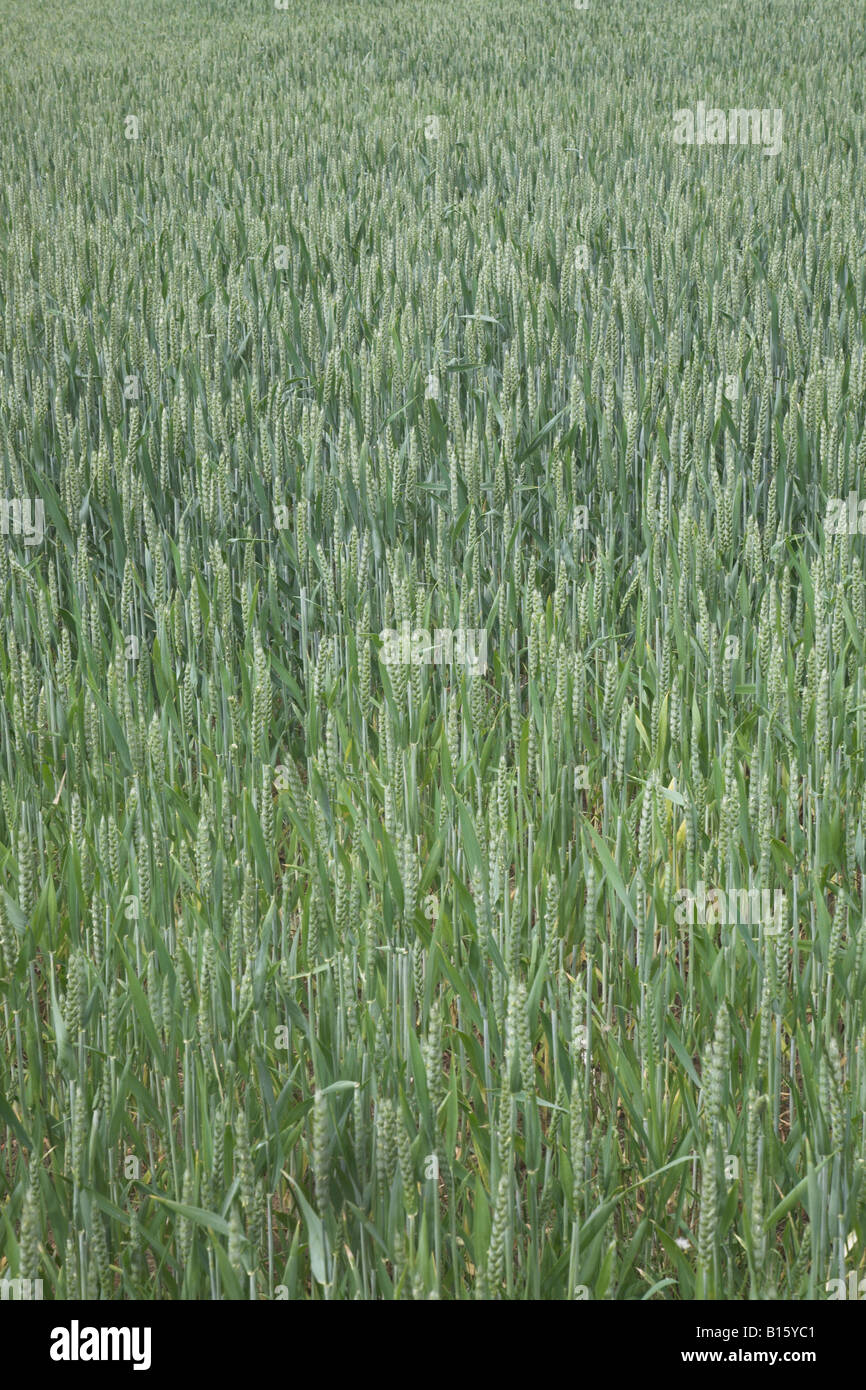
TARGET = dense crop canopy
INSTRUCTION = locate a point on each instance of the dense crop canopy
(433, 449)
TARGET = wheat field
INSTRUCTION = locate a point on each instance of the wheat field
(432, 731)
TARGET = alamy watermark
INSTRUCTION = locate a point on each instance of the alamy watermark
(24, 517)
(739, 126)
(748, 907)
(20, 1290)
(77, 1343)
(838, 1289)
(846, 516)
(445, 646)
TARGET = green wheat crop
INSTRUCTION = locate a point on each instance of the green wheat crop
(352, 328)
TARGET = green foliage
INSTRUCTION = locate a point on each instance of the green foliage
(327, 977)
